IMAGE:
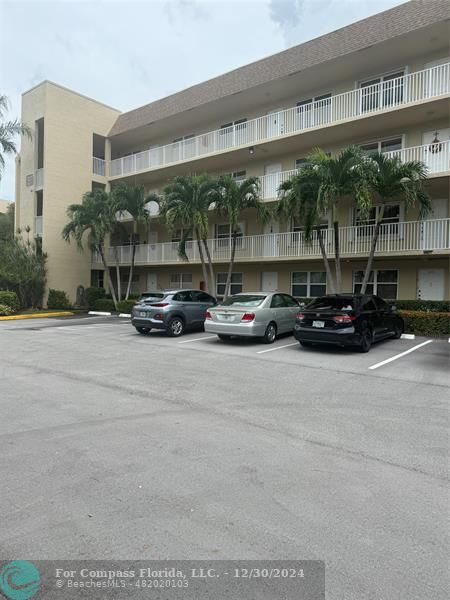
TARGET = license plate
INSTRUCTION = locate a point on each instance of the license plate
(318, 323)
(142, 314)
(227, 317)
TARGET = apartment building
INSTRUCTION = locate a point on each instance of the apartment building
(382, 83)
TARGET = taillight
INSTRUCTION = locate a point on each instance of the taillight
(160, 304)
(208, 316)
(158, 317)
(248, 317)
(300, 316)
(343, 319)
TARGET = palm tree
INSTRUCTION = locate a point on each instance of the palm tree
(132, 199)
(96, 218)
(232, 199)
(8, 132)
(393, 179)
(185, 203)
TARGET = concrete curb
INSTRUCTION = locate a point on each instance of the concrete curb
(125, 315)
(408, 336)
(37, 316)
(99, 314)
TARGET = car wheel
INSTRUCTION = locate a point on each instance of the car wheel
(397, 332)
(143, 330)
(224, 338)
(270, 334)
(306, 344)
(175, 327)
(366, 340)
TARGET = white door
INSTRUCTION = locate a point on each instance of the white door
(272, 180)
(275, 122)
(271, 239)
(435, 231)
(152, 246)
(430, 284)
(269, 281)
(152, 282)
(436, 156)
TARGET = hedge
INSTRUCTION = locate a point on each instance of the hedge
(9, 299)
(422, 305)
(104, 305)
(92, 294)
(57, 299)
(5, 310)
(426, 323)
(126, 306)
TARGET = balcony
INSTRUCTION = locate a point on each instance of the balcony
(435, 156)
(39, 179)
(38, 226)
(395, 239)
(98, 166)
(380, 97)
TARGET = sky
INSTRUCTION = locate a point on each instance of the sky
(127, 53)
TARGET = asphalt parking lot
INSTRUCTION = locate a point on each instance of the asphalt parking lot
(122, 446)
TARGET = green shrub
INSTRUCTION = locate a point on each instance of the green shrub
(57, 299)
(104, 305)
(422, 305)
(5, 310)
(125, 306)
(92, 294)
(426, 323)
(9, 299)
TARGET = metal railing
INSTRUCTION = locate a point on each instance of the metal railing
(98, 166)
(436, 157)
(407, 89)
(38, 226)
(411, 236)
(39, 177)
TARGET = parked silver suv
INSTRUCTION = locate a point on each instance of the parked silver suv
(172, 310)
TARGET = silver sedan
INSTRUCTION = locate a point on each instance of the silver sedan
(253, 314)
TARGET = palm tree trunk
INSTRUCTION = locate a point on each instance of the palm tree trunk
(133, 254)
(373, 247)
(210, 265)
(116, 258)
(326, 262)
(202, 259)
(337, 257)
(231, 265)
(108, 278)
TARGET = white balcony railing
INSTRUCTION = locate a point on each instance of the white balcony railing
(98, 166)
(39, 177)
(412, 236)
(38, 226)
(436, 157)
(414, 87)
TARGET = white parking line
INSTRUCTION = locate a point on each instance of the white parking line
(209, 337)
(384, 362)
(277, 348)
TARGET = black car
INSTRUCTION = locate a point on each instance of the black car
(347, 320)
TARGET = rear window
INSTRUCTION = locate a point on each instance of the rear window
(244, 300)
(149, 297)
(332, 303)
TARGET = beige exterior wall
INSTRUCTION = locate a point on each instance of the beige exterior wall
(70, 120)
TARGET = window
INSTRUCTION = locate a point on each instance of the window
(177, 235)
(185, 296)
(223, 233)
(236, 283)
(290, 301)
(383, 283)
(303, 162)
(391, 216)
(386, 145)
(385, 90)
(277, 301)
(334, 303)
(237, 175)
(180, 280)
(296, 224)
(369, 305)
(202, 297)
(245, 300)
(97, 278)
(309, 284)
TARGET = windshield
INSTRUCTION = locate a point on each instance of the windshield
(244, 300)
(332, 303)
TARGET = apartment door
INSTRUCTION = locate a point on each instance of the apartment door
(152, 282)
(269, 281)
(271, 239)
(152, 246)
(430, 284)
(272, 180)
(435, 230)
(436, 154)
(275, 122)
